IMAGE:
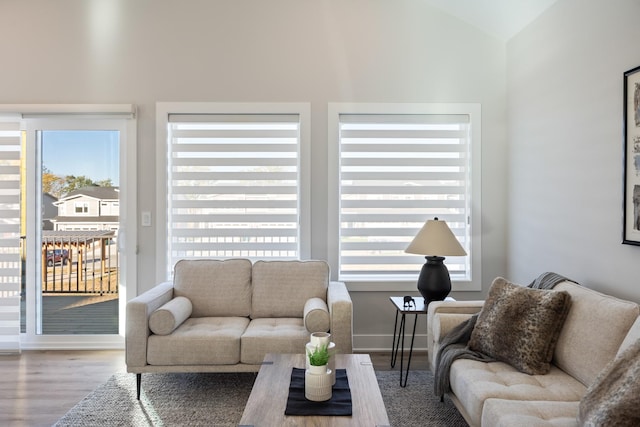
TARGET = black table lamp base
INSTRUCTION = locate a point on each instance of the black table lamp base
(434, 282)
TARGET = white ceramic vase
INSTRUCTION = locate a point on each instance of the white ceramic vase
(320, 338)
(332, 360)
(317, 383)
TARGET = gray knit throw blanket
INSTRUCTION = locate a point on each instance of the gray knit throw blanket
(454, 344)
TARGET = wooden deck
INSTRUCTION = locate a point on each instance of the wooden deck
(79, 314)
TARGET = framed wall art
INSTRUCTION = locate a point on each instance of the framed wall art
(631, 231)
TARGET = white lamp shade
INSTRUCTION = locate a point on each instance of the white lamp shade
(435, 238)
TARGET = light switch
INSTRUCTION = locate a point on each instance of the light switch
(146, 219)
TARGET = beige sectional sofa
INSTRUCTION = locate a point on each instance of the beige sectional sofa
(225, 315)
(597, 329)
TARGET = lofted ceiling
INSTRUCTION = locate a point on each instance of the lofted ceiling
(500, 18)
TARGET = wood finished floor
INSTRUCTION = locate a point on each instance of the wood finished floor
(39, 387)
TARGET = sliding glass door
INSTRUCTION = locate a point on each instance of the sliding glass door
(74, 241)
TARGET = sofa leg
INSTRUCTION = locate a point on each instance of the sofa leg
(138, 383)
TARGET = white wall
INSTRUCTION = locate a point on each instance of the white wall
(143, 51)
(565, 76)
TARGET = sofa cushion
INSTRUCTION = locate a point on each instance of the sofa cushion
(593, 331)
(165, 319)
(510, 413)
(473, 382)
(216, 288)
(274, 335)
(316, 315)
(520, 325)
(614, 396)
(281, 288)
(199, 341)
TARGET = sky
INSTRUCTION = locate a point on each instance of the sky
(93, 153)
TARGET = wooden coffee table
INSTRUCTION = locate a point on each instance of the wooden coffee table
(268, 398)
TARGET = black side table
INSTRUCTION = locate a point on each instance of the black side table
(416, 307)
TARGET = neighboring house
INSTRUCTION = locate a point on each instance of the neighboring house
(49, 211)
(88, 208)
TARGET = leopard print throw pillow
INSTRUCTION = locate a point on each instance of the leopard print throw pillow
(520, 326)
(614, 397)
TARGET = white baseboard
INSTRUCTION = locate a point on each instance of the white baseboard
(71, 342)
(361, 343)
(384, 342)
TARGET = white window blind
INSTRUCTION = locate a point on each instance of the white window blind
(395, 172)
(10, 270)
(234, 186)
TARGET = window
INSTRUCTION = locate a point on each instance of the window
(10, 242)
(397, 166)
(234, 181)
(82, 207)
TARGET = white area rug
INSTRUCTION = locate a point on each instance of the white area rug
(219, 399)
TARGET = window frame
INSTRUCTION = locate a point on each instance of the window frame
(163, 112)
(402, 284)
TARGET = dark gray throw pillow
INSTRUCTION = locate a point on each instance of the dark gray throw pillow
(520, 326)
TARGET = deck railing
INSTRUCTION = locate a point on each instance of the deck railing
(80, 265)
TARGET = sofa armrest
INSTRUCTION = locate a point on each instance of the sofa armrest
(137, 322)
(452, 307)
(341, 312)
(439, 308)
(443, 323)
(467, 307)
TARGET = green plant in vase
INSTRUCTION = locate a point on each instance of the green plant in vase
(319, 356)
(317, 378)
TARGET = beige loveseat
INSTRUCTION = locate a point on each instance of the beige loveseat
(225, 315)
(494, 394)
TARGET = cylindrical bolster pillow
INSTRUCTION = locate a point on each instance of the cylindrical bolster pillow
(165, 319)
(316, 315)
